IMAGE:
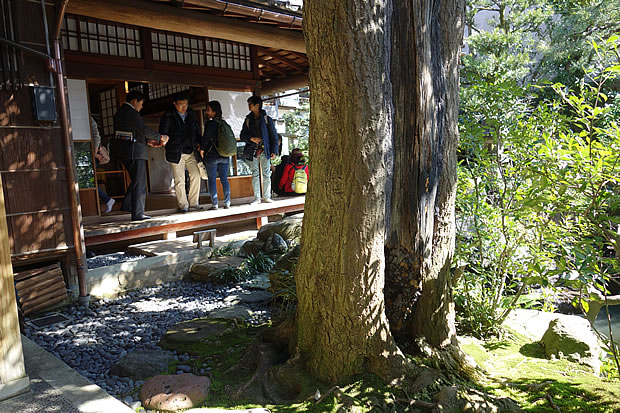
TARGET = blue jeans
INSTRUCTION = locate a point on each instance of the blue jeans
(218, 166)
(265, 166)
(103, 197)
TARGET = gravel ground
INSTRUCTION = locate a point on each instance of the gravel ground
(111, 259)
(100, 335)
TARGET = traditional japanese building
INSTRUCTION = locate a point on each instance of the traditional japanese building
(63, 61)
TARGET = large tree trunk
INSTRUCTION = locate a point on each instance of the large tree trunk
(425, 56)
(342, 327)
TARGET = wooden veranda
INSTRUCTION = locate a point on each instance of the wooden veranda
(115, 228)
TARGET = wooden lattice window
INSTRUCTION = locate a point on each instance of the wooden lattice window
(160, 90)
(228, 55)
(107, 99)
(81, 34)
(200, 51)
(9, 56)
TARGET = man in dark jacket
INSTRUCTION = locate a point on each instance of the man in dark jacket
(260, 130)
(130, 146)
(181, 125)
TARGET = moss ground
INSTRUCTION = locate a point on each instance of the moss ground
(516, 368)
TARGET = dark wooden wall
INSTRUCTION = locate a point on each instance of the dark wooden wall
(32, 165)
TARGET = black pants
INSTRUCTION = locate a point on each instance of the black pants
(135, 198)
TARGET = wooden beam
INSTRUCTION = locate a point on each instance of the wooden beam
(284, 83)
(282, 59)
(93, 71)
(13, 378)
(163, 17)
(301, 56)
(273, 67)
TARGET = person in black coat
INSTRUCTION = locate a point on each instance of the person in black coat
(180, 123)
(215, 163)
(129, 145)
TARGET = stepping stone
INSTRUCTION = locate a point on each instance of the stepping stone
(142, 364)
(258, 282)
(172, 393)
(201, 272)
(195, 331)
(238, 312)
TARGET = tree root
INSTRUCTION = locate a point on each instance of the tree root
(420, 404)
(550, 400)
(452, 360)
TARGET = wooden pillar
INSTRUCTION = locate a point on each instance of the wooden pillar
(261, 221)
(13, 378)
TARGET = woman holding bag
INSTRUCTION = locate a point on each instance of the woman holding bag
(215, 163)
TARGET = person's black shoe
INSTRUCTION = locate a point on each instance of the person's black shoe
(197, 207)
(141, 218)
(182, 210)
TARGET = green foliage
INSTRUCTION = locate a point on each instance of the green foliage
(254, 264)
(569, 36)
(259, 263)
(298, 125)
(284, 289)
(225, 251)
(537, 192)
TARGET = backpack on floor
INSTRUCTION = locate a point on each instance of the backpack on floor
(300, 179)
(226, 141)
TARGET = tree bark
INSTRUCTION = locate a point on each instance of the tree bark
(342, 327)
(426, 44)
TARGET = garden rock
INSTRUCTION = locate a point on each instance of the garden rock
(248, 297)
(288, 228)
(251, 248)
(258, 281)
(575, 340)
(275, 245)
(287, 261)
(139, 365)
(202, 272)
(236, 312)
(173, 393)
(195, 331)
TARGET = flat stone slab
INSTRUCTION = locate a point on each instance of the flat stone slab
(258, 282)
(175, 392)
(237, 312)
(195, 331)
(141, 364)
(166, 247)
(202, 271)
(173, 246)
(249, 297)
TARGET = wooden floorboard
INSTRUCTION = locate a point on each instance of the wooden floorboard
(119, 227)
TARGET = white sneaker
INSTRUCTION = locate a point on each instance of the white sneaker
(255, 202)
(269, 200)
(109, 205)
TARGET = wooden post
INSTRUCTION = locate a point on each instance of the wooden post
(260, 221)
(13, 378)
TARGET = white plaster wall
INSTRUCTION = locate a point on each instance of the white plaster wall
(78, 106)
(234, 107)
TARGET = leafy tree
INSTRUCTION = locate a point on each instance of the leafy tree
(298, 124)
(571, 30)
(501, 248)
